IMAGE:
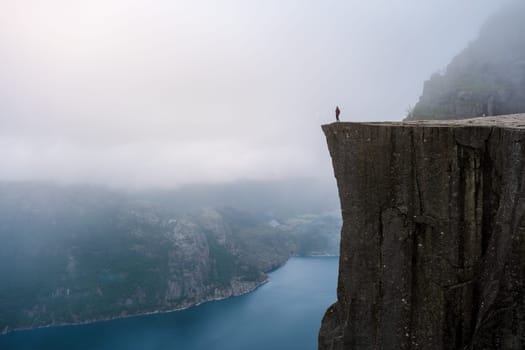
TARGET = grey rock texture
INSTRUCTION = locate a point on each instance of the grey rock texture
(433, 237)
(487, 78)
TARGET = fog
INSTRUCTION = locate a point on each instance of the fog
(137, 93)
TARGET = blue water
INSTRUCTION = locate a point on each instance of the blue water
(283, 314)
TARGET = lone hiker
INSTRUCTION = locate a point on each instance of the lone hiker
(337, 112)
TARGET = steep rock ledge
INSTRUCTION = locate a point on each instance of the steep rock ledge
(433, 237)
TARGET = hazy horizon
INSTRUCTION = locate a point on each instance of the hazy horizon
(140, 94)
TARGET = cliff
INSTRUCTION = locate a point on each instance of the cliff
(487, 78)
(433, 236)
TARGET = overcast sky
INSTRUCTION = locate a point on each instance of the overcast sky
(167, 92)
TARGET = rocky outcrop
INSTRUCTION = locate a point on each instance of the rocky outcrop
(486, 79)
(433, 237)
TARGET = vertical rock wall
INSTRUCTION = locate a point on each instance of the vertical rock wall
(433, 237)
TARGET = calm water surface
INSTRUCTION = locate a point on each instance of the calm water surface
(283, 314)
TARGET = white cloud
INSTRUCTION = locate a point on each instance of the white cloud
(146, 93)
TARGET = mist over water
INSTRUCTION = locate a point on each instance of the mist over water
(183, 136)
(140, 94)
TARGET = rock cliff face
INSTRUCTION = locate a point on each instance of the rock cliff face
(433, 237)
(487, 78)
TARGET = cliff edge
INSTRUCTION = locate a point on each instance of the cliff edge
(433, 237)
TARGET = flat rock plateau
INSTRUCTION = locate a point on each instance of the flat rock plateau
(433, 237)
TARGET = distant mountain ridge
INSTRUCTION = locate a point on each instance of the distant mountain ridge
(486, 79)
(78, 254)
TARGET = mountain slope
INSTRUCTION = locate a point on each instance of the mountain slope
(487, 78)
(77, 254)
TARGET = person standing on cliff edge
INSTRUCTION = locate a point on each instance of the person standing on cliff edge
(337, 112)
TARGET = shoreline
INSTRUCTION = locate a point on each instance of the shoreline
(155, 312)
(317, 256)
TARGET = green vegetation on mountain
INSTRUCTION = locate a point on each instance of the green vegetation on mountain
(77, 254)
(486, 79)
